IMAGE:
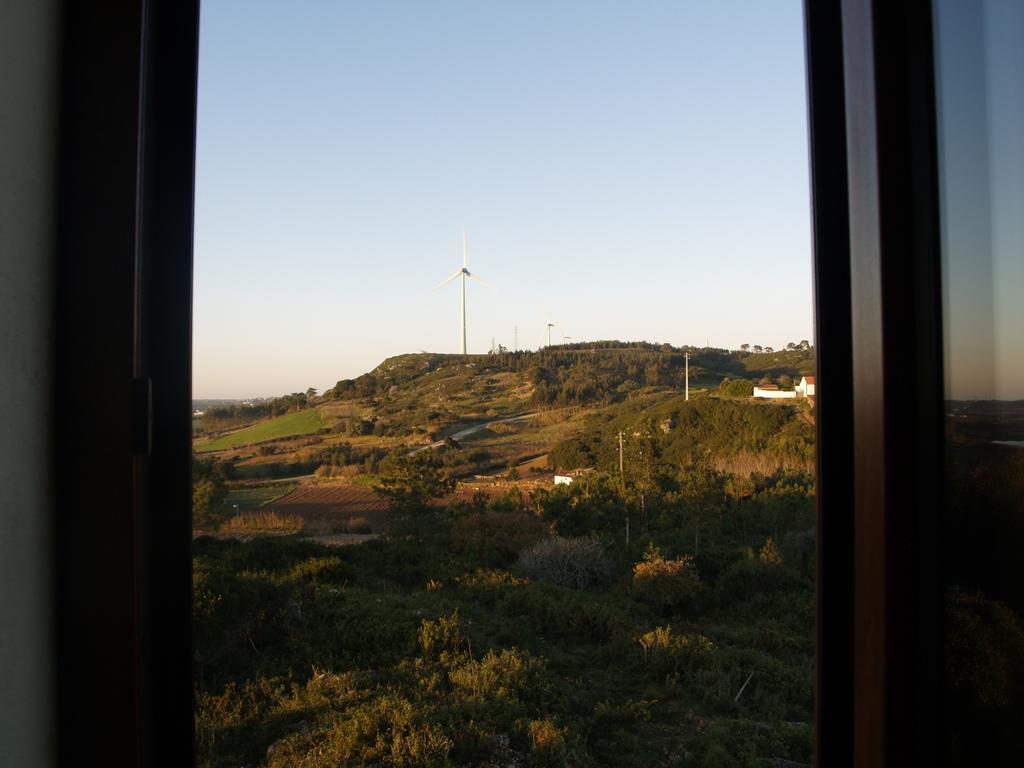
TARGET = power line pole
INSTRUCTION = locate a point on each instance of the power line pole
(687, 356)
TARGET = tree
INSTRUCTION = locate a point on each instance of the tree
(738, 388)
(208, 493)
(701, 500)
(790, 346)
(745, 347)
(805, 344)
(310, 393)
(641, 470)
(758, 348)
(412, 483)
(769, 350)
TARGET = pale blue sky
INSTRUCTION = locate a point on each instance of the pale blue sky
(632, 170)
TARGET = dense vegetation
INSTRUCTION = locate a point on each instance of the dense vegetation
(676, 432)
(519, 631)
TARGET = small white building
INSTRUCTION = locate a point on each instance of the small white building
(567, 478)
(772, 392)
(806, 386)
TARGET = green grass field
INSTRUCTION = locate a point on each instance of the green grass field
(249, 499)
(300, 423)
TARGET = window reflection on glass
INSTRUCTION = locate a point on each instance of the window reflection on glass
(980, 89)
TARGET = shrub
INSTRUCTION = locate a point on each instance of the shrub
(495, 538)
(769, 553)
(511, 675)
(318, 569)
(667, 653)
(751, 576)
(547, 742)
(577, 563)
(557, 613)
(738, 388)
(264, 522)
(486, 586)
(670, 584)
(388, 730)
(437, 637)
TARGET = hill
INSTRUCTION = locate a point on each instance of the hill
(417, 399)
(574, 374)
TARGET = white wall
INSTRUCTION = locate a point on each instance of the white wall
(775, 394)
(28, 143)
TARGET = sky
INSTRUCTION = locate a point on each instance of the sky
(627, 170)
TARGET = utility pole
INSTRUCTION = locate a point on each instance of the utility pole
(687, 356)
(622, 479)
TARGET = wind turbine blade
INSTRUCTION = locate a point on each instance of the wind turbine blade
(479, 279)
(464, 250)
(448, 279)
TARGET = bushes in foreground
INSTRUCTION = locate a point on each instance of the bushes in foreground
(668, 584)
(310, 656)
(576, 562)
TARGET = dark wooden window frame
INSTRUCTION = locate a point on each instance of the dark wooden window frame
(122, 533)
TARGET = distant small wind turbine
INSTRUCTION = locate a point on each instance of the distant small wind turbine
(550, 326)
(463, 273)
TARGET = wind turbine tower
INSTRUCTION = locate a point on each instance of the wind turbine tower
(550, 326)
(463, 273)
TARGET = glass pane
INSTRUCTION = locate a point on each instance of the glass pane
(558, 510)
(980, 76)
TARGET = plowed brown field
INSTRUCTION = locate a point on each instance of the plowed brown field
(335, 508)
(353, 509)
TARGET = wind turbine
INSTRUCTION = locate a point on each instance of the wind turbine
(550, 326)
(463, 273)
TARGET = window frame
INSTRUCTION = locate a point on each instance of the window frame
(123, 562)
